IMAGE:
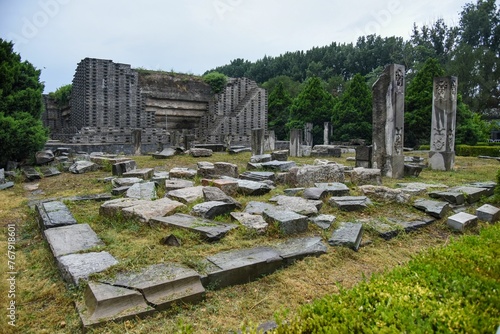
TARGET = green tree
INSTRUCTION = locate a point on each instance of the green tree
(278, 110)
(21, 130)
(470, 128)
(313, 105)
(217, 81)
(62, 95)
(352, 115)
(418, 109)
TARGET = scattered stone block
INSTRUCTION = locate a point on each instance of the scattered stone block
(201, 152)
(48, 171)
(93, 197)
(257, 208)
(182, 173)
(208, 229)
(489, 186)
(261, 158)
(145, 191)
(412, 169)
(241, 266)
(229, 187)
(461, 221)
(177, 184)
(164, 284)
(104, 302)
(145, 210)
(347, 235)
(315, 193)
(81, 167)
(186, 195)
(281, 155)
(160, 177)
(293, 191)
(276, 165)
(123, 167)
(237, 150)
(216, 194)
(205, 169)
(307, 176)
(113, 207)
(165, 153)
(361, 175)
(488, 213)
(350, 203)
(299, 248)
(435, 209)
(143, 173)
(257, 176)
(252, 188)
(298, 205)
(211, 209)
(334, 188)
(126, 181)
(6, 185)
(71, 239)
(225, 169)
(74, 267)
(390, 228)
(419, 188)
(287, 222)
(54, 214)
(171, 240)
(118, 191)
(385, 193)
(31, 173)
(323, 221)
(44, 157)
(250, 221)
(254, 166)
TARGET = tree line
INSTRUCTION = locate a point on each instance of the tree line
(332, 83)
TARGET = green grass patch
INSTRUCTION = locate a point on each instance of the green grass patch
(446, 289)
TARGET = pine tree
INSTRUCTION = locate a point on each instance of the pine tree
(278, 110)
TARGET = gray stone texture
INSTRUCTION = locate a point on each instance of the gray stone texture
(122, 167)
(444, 113)
(216, 194)
(261, 158)
(143, 173)
(461, 221)
(326, 151)
(211, 209)
(177, 184)
(165, 153)
(225, 169)
(333, 188)
(145, 191)
(113, 207)
(74, 267)
(71, 239)
(126, 181)
(307, 176)
(361, 176)
(363, 156)
(297, 204)
(298, 248)
(280, 166)
(435, 209)
(460, 195)
(228, 186)
(144, 211)
(257, 141)
(44, 157)
(182, 173)
(347, 235)
(81, 167)
(31, 173)
(314, 193)
(258, 176)
(281, 155)
(186, 195)
(54, 214)
(350, 203)
(388, 121)
(488, 213)
(257, 208)
(252, 188)
(201, 152)
(385, 193)
(323, 221)
(48, 171)
(251, 221)
(296, 142)
(287, 222)
(210, 230)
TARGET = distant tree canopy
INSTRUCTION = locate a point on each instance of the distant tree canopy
(217, 81)
(21, 130)
(62, 95)
(470, 51)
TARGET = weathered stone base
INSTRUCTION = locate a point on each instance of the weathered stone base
(441, 160)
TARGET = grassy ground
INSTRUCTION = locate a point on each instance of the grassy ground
(45, 305)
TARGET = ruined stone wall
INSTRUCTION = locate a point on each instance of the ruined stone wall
(54, 117)
(235, 112)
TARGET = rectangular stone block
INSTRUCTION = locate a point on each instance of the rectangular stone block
(488, 213)
(71, 239)
(54, 214)
(348, 235)
(74, 267)
(143, 173)
(288, 222)
(461, 221)
(299, 248)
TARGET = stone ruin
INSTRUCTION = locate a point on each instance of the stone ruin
(126, 110)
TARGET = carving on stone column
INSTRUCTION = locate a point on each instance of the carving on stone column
(450, 139)
(439, 139)
(441, 88)
(398, 141)
(399, 79)
(453, 90)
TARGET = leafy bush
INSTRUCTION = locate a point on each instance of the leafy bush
(217, 81)
(62, 95)
(451, 289)
(474, 151)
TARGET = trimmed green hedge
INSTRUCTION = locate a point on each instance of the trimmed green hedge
(474, 151)
(450, 289)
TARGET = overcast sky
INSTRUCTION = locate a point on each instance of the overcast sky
(193, 36)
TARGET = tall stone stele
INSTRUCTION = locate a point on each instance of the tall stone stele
(444, 114)
(388, 121)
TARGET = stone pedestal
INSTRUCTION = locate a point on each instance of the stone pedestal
(388, 121)
(444, 113)
(296, 143)
(270, 141)
(257, 141)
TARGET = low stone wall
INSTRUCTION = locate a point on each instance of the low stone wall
(116, 148)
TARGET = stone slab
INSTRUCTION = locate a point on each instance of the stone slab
(182, 173)
(287, 222)
(6, 185)
(48, 171)
(166, 153)
(92, 197)
(120, 190)
(385, 193)
(281, 166)
(250, 221)
(71, 239)
(142, 173)
(104, 302)
(81, 167)
(436, 209)
(186, 195)
(298, 248)
(126, 181)
(74, 267)
(257, 208)
(323, 221)
(459, 195)
(201, 152)
(347, 235)
(257, 176)
(144, 211)
(210, 230)
(54, 214)
(211, 209)
(333, 188)
(350, 203)
(114, 207)
(177, 184)
(123, 167)
(461, 221)
(252, 188)
(229, 187)
(488, 185)
(298, 205)
(31, 173)
(260, 158)
(145, 191)
(216, 194)
(488, 213)
(241, 266)
(163, 284)
(390, 227)
(315, 193)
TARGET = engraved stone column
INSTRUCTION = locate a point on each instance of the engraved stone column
(327, 133)
(308, 137)
(444, 113)
(296, 142)
(270, 141)
(136, 139)
(258, 141)
(388, 121)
